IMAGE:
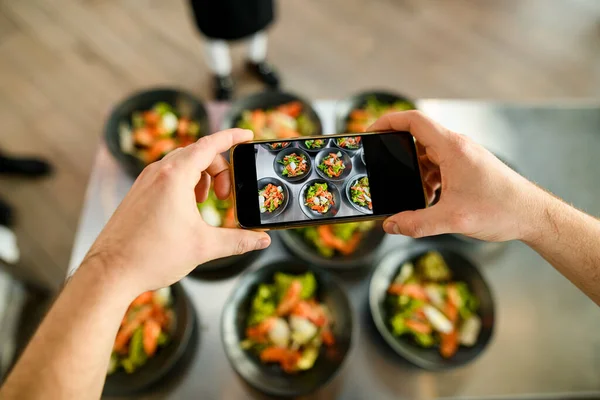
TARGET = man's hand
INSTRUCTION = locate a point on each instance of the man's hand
(481, 197)
(157, 236)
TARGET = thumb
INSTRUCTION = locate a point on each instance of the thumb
(426, 222)
(226, 242)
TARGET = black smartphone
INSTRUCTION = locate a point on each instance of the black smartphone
(327, 179)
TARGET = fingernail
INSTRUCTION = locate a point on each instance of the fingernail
(391, 227)
(262, 244)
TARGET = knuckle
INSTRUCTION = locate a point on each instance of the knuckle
(242, 246)
(460, 144)
(164, 171)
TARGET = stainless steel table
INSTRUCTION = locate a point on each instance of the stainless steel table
(547, 340)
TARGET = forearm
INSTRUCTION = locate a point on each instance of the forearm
(569, 240)
(68, 356)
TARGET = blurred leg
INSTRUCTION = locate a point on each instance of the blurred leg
(219, 61)
(257, 64)
(257, 47)
(9, 252)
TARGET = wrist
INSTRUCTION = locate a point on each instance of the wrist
(538, 220)
(108, 274)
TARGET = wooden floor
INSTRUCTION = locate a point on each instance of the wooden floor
(64, 63)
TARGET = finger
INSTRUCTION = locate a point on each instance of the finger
(419, 223)
(202, 188)
(219, 170)
(424, 129)
(196, 157)
(227, 242)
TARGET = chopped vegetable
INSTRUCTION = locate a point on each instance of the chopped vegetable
(361, 118)
(218, 213)
(145, 328)
(332, 165)
(154, 133)
(286, 324)
(360, 193)
(425, 304)
(278, 145)
(294, 165)
(270, 198)
(350, 143)
(339, 238)
(318, 198)
(313, 144)
(286, 121)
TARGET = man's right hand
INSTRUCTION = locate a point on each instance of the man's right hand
(481, 197)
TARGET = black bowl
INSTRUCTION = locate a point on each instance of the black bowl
(267, 100)
(351, 181)
(352, 152)
(184, 104)
(270, 378)
(333, 210)
(268, 147)
(321, 155)
(278, 167)
(462, 270)
(346, 106)
(121, 383)
(362, 257)
(286, 196)
(302, 145)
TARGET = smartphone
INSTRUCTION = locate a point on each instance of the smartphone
(327, 179)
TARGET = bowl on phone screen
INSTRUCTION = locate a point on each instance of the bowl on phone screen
(359, 197)
(323, 160)
(313, 145)
(350, 144)
(263, 184)
(276, 146)
(320, 199)
(290, 170)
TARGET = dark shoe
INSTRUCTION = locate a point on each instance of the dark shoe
(6, 214)
(29, 167)
(264, 72)
(223, 87)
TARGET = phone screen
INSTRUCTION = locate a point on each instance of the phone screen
(300, 181)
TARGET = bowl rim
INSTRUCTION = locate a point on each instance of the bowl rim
(283, 265)
(396, 258)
